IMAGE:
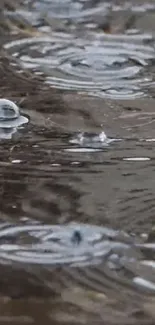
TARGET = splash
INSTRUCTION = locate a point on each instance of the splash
(92, 140)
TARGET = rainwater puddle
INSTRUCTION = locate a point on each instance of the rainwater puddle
(77, 188)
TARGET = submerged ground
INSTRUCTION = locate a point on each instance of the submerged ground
(78, 66)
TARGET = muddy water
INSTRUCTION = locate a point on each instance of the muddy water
(77, 240)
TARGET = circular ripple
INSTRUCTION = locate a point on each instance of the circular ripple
(101, 65)
(74, 244)
(70, 9)
(92, 254)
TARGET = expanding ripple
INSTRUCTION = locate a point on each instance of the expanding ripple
(79, 245)
(105, 66)
(74, 244)
(71, 9)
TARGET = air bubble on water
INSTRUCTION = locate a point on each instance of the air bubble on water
(11, 119)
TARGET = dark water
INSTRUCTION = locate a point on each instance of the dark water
(77, 240)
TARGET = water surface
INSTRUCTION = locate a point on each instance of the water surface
(89, 46)
(77, 209)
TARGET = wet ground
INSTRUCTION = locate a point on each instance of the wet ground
(77, 202)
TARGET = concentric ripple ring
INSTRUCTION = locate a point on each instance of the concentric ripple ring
(106, 67)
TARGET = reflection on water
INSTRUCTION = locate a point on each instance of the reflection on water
(62, 215)
(76, 55)
(73, 244)
(70, 9)
(97, 194)
(77, 204)
(105, 66)
(78, 245)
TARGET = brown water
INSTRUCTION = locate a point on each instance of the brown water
(77, 241)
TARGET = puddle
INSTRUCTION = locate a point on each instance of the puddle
(77, 190)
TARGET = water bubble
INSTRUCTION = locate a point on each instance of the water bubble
(10, 118)
(8, 110)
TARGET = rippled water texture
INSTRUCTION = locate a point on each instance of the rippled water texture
(78, 245)
(84, 57)
(77, 189)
